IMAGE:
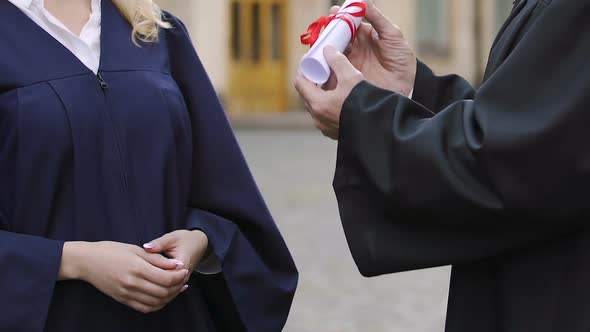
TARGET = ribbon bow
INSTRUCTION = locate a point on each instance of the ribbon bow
(316, 28)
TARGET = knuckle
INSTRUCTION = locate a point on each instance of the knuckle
(341, 58)
(127, 281)
(169, 281)
(354, 76)
(170, 238)
(122, 298)
(318, 107)
(123, 293)
(313, 106)
(357, 76)
(136, 268)
(161, 293)
(170, 292)
(157, 303)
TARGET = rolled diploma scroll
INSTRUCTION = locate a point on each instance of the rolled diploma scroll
(338, 35)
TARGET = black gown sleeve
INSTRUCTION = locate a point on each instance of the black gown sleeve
(481, 177)
(438, 92)
(29, 267)
(259, 275)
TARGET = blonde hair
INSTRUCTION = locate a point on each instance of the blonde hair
(145, 17)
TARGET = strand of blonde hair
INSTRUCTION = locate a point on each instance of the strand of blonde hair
(145, 17)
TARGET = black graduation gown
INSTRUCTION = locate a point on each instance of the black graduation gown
(144, 152)
(495, 182)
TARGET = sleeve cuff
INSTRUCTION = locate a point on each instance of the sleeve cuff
(209, 265)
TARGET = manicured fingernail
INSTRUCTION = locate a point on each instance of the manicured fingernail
(149, 246)
(185, 273)
(184, 288)
(177, 262)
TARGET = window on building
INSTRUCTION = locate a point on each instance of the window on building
(256, 33)
(236, 47)
(276, 30)
(432, 31)
(503, 9)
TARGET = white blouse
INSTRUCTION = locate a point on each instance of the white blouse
(86, 46)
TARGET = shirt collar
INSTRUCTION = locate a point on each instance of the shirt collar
(27, 3)
(22, 3)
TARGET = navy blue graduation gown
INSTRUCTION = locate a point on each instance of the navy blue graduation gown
(142, 152)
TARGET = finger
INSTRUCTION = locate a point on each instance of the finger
(348, 50)
(162, 277)
(157, 301)
(374, 36)
(159, 292)
(162, 262)
(380, 22)
(306, 88)
(307, 107)
(153, 303)
(364, 32)
(185, 258)
(160, 244)
(146, 299)
(142, 308)
(331, 84)
(334, 9)
(338, 62)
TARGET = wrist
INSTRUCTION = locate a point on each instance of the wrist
(204, 249)
(201, 236)
(73, 257)
(410, 79)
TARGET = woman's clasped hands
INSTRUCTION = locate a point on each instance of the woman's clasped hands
(145, 279)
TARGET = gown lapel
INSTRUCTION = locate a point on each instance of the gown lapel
(119, 53)
(41, 58)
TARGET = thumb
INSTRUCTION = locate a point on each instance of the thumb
(380, 22)
(160, 244)
(338, 62)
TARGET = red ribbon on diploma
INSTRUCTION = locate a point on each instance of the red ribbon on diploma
(315, 29)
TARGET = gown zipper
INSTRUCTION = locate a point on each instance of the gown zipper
(104, 86)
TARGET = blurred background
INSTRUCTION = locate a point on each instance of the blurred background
(251, 51)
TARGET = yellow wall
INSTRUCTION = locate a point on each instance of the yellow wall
(208, 26)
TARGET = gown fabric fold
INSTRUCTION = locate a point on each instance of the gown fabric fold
(494, 182)
(138, 151)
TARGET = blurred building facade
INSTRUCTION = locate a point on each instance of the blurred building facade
(251, 48)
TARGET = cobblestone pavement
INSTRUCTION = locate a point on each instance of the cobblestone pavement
(294, 170)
